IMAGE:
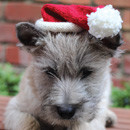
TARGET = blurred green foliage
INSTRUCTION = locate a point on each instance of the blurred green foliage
(9, 80)
(121, 97)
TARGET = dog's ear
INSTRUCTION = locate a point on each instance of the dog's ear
(29, 36)
(109, 45)
(113, 42)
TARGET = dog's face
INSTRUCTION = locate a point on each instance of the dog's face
(70, 72)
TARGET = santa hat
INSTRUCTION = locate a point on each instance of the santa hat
(100, 21)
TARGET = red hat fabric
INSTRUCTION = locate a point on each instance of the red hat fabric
(99, 21)
(68, 13)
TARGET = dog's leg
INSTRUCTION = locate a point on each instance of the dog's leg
(96, 124)
(18, 120)
(111, 118)
(107, 118)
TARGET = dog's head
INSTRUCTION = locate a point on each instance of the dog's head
(70, 71)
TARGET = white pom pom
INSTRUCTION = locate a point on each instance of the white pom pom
(104, 22)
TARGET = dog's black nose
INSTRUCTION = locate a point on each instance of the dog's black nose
(66, 111)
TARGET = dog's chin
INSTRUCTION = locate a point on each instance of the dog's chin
(77, 119)
(50, 116)
(64, 122)
(67, 122)
(53, 120)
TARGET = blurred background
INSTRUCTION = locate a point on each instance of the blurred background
(13, 61)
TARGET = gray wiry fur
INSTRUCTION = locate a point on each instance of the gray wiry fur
(34, 107)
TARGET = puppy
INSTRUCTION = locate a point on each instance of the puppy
(67, 84)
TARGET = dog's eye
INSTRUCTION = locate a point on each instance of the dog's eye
(51, 72)
(85, 72)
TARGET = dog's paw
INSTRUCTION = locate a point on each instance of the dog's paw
(111, 119)
(31, 124)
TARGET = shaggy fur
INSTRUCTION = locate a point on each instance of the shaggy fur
(67, 68)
